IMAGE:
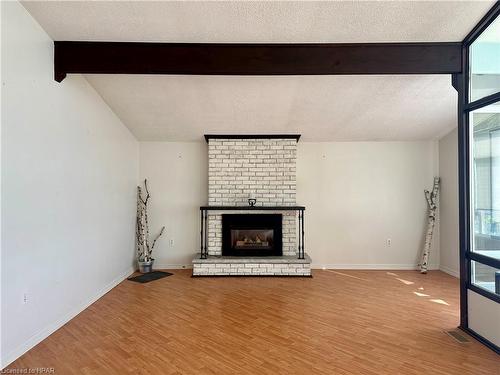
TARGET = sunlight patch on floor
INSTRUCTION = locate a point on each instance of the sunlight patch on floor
(345, 274)
(418, 294)
(440, 301)
(406, 282)
(421, 294)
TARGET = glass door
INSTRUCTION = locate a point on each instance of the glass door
(479, 176)
(485, 203)
(483, 110)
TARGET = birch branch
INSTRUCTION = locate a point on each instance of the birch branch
(428, 198)
(139, 196)
(147, 191)
(156, 239)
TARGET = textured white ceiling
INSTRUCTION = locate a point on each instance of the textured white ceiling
(321, 108)
(259, 21)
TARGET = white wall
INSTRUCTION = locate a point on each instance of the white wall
(484, 316)
(69, 171)
(357, 195)
(177, 176)
(448, 204)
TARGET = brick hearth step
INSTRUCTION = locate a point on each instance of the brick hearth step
(252, 266)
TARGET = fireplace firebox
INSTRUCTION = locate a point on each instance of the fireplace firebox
(252, 235)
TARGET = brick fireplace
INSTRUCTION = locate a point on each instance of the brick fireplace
(260, 169)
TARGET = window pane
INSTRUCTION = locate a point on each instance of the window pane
(484, 57)
(485, 125)
(486, 277)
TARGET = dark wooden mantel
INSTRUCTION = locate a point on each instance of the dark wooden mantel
(255, 59)
(252, 208)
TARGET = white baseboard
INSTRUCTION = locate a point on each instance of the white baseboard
(402, 267)
(319, 266)
(47, 331)
(450, 271)
(166, 266)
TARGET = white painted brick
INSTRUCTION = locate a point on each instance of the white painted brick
(268, 166)
(276, 266)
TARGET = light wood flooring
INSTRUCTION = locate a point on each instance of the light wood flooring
(338, 322)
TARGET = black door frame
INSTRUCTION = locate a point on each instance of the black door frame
(461, 83)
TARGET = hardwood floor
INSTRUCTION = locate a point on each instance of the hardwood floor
(338, 322)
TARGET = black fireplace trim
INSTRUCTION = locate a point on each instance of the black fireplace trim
(252, 221)
(204, 224)
(252, 208)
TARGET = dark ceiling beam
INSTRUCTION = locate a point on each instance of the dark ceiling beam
(255, 59)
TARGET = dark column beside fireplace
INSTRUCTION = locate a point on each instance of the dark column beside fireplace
(252, 235)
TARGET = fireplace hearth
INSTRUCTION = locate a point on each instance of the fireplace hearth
(252, 235)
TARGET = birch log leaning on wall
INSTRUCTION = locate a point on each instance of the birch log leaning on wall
(431, 198)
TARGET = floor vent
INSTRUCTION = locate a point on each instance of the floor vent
(459, 336)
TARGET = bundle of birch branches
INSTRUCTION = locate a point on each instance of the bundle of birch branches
(144, 245)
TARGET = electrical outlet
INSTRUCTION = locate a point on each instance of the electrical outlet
(389, 242)
(25, 298)
(171, 242)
